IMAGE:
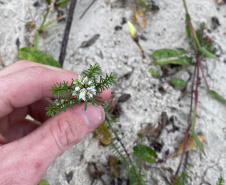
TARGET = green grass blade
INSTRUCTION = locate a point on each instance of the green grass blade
(207, 53)
(199, 144)
(217, 96)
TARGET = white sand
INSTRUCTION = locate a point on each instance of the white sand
(116, 52)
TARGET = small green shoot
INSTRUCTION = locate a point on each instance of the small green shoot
(142, 3)
(197, 39)
(182, 179)
(220, 181)
(133, 33)
(133, 170)
(188, 30)
(205, 41)
(146, 153)
(207, 53)
(154, 73)
(48, 2)
(43, 26)
(32, 54)
(43, 182)
(177, 82)
(171, 56)
(217, 96)
(62, 3)
(199, 144)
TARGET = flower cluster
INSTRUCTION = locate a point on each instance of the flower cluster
(84, 88)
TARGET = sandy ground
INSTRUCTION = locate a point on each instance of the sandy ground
(116, 52)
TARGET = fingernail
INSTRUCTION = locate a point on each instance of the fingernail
(93, 115)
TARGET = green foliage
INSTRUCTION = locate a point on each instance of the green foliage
(182, 179)
(40, 29)
(154, 73)
(133, 171)
(82, 89)
(220, 181)
(217, 96)
(48, 2)
(104, 83)
(171, 56)
(207, 49)
(142, 3)
(62, 3)
(146, 153)
(207, 53)
(35, 55)
(43, 182)
(199, 144)
(187, 27)
(177, 82)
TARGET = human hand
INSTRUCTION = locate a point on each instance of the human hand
(27, 148)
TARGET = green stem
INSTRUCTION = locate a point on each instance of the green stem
(40, 29)
(191, 26)
(185, 6)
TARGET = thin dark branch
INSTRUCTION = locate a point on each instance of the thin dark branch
(87, 9)
(67, 32)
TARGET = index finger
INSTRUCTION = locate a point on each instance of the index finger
(27, 86)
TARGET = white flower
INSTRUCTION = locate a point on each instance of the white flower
(92, 90)
(84, 81)
(56, 102)
(82, 94)
(79, 78)
(77, 88)
(83, 88)
(59, 103)
(89, 82)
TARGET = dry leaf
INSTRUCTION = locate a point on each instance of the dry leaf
(94, 172)
(191, 144)
(168, 169)
(139, 18)
(103, 134)
(113, 162)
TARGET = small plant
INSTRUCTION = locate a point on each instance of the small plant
(84, 88)
(220, 181)
(182, 179)
(133, 168)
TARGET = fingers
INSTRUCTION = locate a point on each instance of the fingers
(36, 151)
(36, 110)
(69, 128)
(28, 85)
(23, 64)
(21, 129)
(105, 95)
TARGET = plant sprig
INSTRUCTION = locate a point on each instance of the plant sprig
(84, 88)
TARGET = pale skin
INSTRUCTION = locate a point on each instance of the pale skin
(27, 148)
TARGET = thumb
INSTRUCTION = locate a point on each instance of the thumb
(36, 151)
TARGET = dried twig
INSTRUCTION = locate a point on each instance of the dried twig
(67, 32)
(1, 61)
